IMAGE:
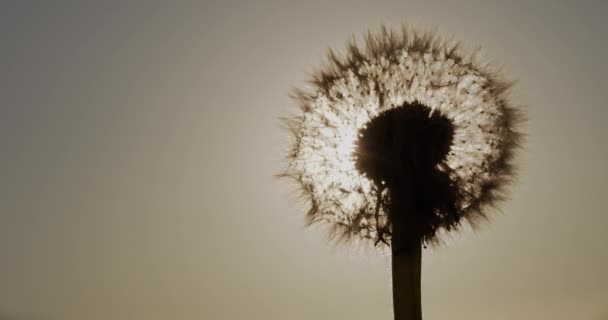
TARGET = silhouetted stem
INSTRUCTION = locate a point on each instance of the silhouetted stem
(406, 247)
(406, 265)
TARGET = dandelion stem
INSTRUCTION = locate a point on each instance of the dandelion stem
(406, 267)
(406, 247)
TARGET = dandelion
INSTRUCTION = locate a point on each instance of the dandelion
(402, 139)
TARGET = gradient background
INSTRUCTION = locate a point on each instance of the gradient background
(138, 143)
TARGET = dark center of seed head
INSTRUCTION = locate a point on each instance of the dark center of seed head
(403, 145)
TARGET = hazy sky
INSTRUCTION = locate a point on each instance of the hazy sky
(138, 144)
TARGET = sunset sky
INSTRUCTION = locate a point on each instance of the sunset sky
(138, 144)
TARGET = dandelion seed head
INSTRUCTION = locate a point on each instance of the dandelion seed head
(400, 70)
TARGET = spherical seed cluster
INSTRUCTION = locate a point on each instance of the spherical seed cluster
(392, 70)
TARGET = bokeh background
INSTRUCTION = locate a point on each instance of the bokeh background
(138, 144)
